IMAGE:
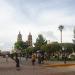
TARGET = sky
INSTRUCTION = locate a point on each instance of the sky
(38, 17)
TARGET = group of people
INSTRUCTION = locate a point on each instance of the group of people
(40, 57)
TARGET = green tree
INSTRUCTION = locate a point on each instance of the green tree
(29, 50)
(55, 47)
(46, 48)
(20, 45)
(69, 47)
(74, 47)
(40, 41)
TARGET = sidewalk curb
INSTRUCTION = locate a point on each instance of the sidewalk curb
(58, 65)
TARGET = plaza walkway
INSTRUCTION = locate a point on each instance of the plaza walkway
(8, 68)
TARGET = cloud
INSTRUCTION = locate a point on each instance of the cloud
(48, 17)
(35, 16)
(32, 11)
(49, 35)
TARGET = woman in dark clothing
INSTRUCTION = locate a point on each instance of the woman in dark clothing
(17, 63)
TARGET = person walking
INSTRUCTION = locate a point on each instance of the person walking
(33, 58)
(17, 63)
(6, 58)
(39, 58)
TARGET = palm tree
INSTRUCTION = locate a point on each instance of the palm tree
(61, 27)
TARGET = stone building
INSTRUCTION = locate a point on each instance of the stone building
(19, 37)
(29, 39)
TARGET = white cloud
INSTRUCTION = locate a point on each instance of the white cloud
(35, 18)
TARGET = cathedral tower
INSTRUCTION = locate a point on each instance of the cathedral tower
(30, 39)
(19, 38)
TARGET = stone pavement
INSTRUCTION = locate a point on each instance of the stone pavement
(8, 68)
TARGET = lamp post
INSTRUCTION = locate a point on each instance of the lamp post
(63, 49)
(61, 28)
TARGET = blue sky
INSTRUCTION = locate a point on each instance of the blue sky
(35, 16)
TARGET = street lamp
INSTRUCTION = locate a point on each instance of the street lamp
(63, 49)
(61, 28)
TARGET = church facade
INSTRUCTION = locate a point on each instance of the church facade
(29, 40)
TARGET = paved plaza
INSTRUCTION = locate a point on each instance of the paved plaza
(8, 68)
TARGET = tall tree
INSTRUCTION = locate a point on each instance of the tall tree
(40, 41)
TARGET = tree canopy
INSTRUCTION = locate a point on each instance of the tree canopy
(40, 41)
(20, 45)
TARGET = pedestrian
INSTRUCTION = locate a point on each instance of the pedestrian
(46, 57)
(6, 58)
(39, 58)
(26, 57)
(42, 58)
(33, 58)
(17, 63)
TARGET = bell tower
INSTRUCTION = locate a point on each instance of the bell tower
(19, 38)
(30, 39)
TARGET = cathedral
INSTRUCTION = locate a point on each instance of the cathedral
(19, 37)
(29, 41)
